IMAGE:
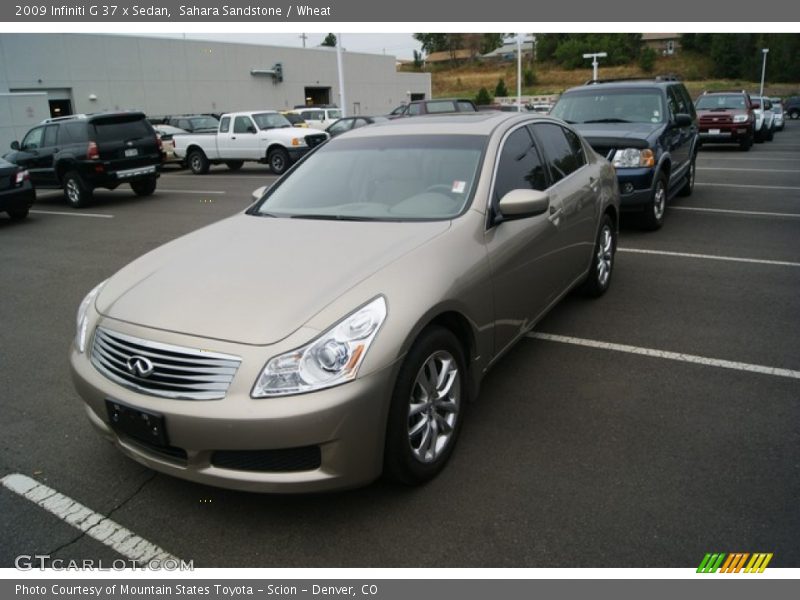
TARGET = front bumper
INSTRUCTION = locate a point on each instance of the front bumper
(345, 425)
(731, 135)
(17, 198)
(296, 154)
(636, 187)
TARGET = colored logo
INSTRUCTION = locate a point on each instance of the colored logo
(735, 563)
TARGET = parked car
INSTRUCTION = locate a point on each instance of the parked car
(338, 327)
(791, 107)
(165, 134)
(194, 123)
(85, 152)
(434, 106)
(347, 123)
(647, 129)
(260, 136)
(763, 107)
(318, 117)
(16, 190)
(726, 118)
(777, 109)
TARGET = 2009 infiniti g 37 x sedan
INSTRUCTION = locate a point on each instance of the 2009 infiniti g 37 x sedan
(336, 329)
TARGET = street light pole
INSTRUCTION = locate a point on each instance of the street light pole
(342, 99)
(594, 56)
(764, 51)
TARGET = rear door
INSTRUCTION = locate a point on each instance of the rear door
(127, 141)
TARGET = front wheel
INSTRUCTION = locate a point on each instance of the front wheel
(17, 214)
(599, 277)
(426, 410)
(654, 213)
(77, 193)
(144, 187)
(746, 143)
(278, 160)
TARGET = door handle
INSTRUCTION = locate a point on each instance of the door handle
(233, 137)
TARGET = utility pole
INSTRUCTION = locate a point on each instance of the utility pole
(594, 56)
(343, 100)
(519, 72)
(303, 37)
(764, 51)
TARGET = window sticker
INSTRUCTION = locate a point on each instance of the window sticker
(459, 187)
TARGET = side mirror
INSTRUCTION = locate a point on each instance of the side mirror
(756, 105)
(15, 145)
(251, 129)
(683, 120)
(257, 193)
(518, 204)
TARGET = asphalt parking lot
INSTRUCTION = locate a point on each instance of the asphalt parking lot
(644, 429)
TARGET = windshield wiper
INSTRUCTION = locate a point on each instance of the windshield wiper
(333, 217)
(607, 121)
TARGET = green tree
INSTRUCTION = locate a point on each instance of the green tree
(330, 40)
(483, 98)
(432, 42)
(528, 77)
(500, 89)
(647, 59)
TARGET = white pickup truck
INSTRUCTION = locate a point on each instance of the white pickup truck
(264, 136)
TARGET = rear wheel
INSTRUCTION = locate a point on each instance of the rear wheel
(794, 114)
(234, 165)
(654, 214)
(599, 277)
(198, 162)
(426, 410)
(144, 187)
(278, 160)
(770, 134)
(77, 193)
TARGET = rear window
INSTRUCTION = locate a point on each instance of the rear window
(116, 130)
(72, 133)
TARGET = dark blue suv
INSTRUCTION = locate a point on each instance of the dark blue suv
(647, 129)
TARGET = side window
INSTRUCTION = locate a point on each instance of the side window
(225, 124)
(242, 125)
(33, 139)
(688, 100)
(185, 124)
(520, 166)
(50, 133)
(340, 126)
(72, 133)
(465, 106)
(680, 102)
(360, 123)
(414, 109)
(562, 156)
(672, 104)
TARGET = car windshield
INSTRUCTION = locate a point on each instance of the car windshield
(271, 121)
(611, 106)
(204, 123)
(721, 102)
(334, 114)
(386, 178)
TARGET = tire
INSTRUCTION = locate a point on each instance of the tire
(198, 162)
(770, 134)
(17, 214)
(605, 247)
(418, 445)
(746, 143)
(234, 165)
(794, 114)
(77, 193)
(758, 137)
(144, 187)
(688, 187)
(278, 160)
(653, 217)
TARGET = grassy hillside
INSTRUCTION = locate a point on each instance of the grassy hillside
(466, 79)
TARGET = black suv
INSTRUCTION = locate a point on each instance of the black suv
(84, 152)
(194, 123)
(647, 129)
(791, 107)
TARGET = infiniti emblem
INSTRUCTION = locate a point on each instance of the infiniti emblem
(139, 365)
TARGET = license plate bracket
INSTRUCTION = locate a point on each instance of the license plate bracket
(713, 131)
(131, 152)
(139, 424)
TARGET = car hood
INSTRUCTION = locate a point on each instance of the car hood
(255, 280)
(618, 130)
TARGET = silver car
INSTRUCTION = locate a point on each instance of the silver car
(336, 329)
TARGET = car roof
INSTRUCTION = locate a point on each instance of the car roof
(623, 84)
(472, 123)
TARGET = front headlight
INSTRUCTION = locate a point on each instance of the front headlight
(298, 142)
(740, 118)
(82, 323)
(633, 157)
(332, 358)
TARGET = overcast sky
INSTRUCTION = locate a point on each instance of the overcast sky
(401, 45)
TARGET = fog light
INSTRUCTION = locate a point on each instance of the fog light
(627, 188)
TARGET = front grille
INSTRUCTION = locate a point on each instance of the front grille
(284, 460)
(177, 372)
(718, 120)
(315, 139)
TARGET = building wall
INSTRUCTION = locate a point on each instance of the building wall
(166, 76)
(18, 114)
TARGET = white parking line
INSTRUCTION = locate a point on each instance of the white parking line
(752, 187)
(72, 214)
(93, 524)
(727, 158)
(192, 191)
(749, 170)
(213, 177)
(679, 356)
(758, 261)
(757, 213)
